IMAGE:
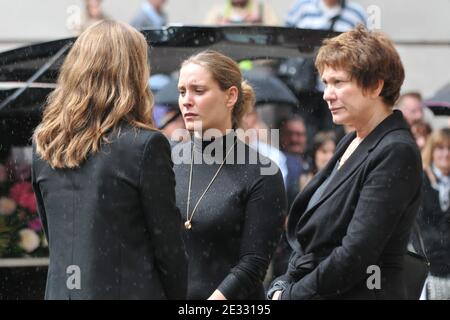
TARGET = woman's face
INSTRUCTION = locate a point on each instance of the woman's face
(94, 8)
(324, 154)
(348, 103)
(441, 157)
(202, 103)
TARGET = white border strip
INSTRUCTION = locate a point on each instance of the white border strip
(24, 262)
(15, 85)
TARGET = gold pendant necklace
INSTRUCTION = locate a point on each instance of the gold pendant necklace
(188, 222)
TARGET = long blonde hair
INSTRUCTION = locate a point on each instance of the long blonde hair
(437, 138)
(225, 71)
(103, 82)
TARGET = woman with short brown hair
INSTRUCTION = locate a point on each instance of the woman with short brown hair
(358, 211)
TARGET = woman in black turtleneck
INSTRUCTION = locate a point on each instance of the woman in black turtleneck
(233, 209)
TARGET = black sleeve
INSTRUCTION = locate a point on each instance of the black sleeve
(157, 183)
(393, 181)
(264, 214)
(37, 192)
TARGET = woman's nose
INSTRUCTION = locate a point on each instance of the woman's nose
(185, 99)
(328, 94)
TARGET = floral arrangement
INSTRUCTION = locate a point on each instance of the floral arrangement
(21, 232)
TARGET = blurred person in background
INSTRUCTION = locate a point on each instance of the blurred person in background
(335, 15)
(434, 214)
(242, 12)
(324, 145)
(150, 15)
(261, 140)
(92, 13)
(411, 105)
(293, 143)
(166, 113)
(421, 130)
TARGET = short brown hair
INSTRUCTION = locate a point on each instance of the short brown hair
(225, 71)
(368, 56)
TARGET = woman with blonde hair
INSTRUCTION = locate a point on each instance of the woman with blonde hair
(103, 176)
(434, 214)
(232, 206)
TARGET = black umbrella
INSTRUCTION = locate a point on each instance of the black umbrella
(440, 102)
(168, 94)
(270, 89)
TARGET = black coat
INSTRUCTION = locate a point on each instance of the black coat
(434, 224)
(237, 224)
(115, 218)
(363, 218)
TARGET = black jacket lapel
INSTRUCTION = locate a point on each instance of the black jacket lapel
(393, 122)
(300, 203)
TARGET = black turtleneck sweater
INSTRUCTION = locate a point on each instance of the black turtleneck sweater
(237, 224)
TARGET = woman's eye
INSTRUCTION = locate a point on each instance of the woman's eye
(341, 82)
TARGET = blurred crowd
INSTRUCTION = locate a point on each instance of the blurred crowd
(339, 15)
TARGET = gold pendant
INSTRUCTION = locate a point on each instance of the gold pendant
(188, 225)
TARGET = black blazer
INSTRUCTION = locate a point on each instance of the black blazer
(434, 225)
(363, 218)
(115, 218)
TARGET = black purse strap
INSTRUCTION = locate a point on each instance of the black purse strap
(416, 229)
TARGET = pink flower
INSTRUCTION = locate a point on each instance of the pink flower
(28, 201)
(19, 189)
(23, 194)
(35, 224)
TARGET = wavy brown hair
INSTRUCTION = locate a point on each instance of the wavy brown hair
(103, 83)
